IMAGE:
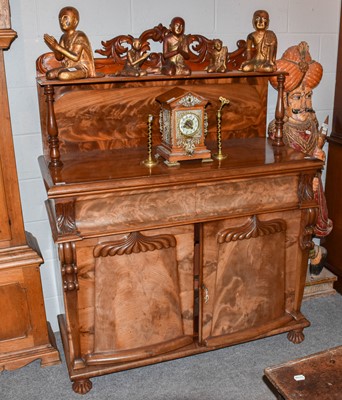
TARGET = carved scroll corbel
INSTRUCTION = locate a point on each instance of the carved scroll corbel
(307, 230)
(305, 191)
(306, 195)
(67, 257)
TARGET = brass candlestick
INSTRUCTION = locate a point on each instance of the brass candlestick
(219, 155)
(149, 162)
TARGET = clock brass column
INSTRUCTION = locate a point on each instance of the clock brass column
(24, 333)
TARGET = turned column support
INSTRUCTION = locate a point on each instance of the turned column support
(52, 128)
(67, 256)
(279, 112)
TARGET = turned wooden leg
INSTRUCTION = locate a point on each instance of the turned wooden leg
(296, 336)
(82, 386)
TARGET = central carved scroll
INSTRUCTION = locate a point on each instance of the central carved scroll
(135, 242)
(253, 228)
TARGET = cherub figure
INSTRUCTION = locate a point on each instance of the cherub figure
(218, 59)
(73, 50)
(263, 42)
(301, 130)
(135, 58)
(176, 49)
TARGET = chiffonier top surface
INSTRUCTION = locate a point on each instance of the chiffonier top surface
(116, 170)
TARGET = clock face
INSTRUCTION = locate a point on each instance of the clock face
(189, 124)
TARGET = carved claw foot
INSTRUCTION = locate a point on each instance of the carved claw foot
(296, 336)
(82, 386)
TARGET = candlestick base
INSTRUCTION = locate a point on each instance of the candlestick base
(149, 163)
(220, 156)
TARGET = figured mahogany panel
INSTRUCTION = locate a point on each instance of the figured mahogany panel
(245, 195)
(113, 115)
(157, 207)
(135, 294)
(248, 276)
(244, 276)
(140, 208)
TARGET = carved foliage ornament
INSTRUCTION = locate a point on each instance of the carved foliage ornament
(253, 228)
(135, 242)
(65, 216)
(200, 48)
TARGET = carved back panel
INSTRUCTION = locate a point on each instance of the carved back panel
(113, 115)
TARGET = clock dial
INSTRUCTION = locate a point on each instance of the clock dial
(189, 124)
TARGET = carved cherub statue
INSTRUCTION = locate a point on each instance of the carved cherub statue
(135, 58)
(218, 57)
(301, 131)
(263, 42)
(73, 50)
(175, 49)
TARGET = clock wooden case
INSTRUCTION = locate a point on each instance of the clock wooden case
(25, 335)
(183, 125)
(161, 263)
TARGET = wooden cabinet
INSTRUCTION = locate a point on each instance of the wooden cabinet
(24, 333)
(164, 262)
(334, 178)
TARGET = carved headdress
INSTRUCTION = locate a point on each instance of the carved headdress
(297, 62)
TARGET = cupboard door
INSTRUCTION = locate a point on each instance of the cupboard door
(136, 294)
(243, 283)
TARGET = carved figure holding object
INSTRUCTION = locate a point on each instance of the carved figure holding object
(135, 58)
(301, 130)
(73, 49)
(218, 59)
(176, 49)
(264, 43)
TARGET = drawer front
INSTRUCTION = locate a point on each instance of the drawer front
(130, 210)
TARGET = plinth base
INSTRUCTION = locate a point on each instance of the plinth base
(319, 285)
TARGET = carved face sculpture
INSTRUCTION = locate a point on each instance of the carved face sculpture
(261, 20)
(136, 44)
(68, 18)
(177, 26)
(218, 44)
(299, 104)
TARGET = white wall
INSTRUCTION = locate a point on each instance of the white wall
(314, 21)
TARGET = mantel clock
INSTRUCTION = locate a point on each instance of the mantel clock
(183, 126)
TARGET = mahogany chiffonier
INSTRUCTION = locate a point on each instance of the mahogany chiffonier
(165, 262)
